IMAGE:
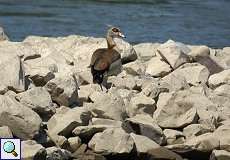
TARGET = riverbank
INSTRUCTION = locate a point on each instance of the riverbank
(171, 100)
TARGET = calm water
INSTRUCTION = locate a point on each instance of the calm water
(189, 21)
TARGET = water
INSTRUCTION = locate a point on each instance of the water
(189, 21)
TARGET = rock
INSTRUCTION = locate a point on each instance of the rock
(193, 73)
(200, 51)
(146, 126)
(174, 53)
(126, 82)
(12, 66)
(3, 89)
(126, 95)
(176, 110)
(54, 153)
(84, 77)
(119, 142)
(89, 156)
(220, 155)
(107, 105)
(195, 130)
(38, 99)
(23, 122)
(173, 136)
(5, 132)
(141, 104)
(64, 89)
(135, 68)
(145, 51)
(109, 122)
(218, 79)
(64, 123)
(32, 151)
(74, 143)
(157, 67)
(226, 50)
(3, 35)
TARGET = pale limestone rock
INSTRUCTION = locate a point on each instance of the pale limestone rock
(31, 150)
(5, 132)
(218, 79)
(195, 130)
(74, 143)
(220, 155)
(173, 136)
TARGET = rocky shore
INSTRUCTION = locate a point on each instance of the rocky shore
(170, 102)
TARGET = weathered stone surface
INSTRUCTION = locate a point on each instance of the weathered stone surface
(141, 104)
(126, 82)
(109, 122)
(194, 73)
(174, 53)
(64, 123)
(5, 132)
(3, 35)
(38, 99)
(64, 89)
(195, 130)
(119, 142)
(107, 105)
(135, 68)
(173, 136)
(89, 156)
(74, 143)
(218, 79)
(32, 151)
(220, 155)
(145, 51)
(146, 126)
(156, 67)
(23, 122)
(54, 153)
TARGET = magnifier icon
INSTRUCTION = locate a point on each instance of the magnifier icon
(9, 147)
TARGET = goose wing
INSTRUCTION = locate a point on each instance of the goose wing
(97, 55)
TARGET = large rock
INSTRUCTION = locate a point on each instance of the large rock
(38, 99)
(145, 51)
(119, 142)
(23, 122)
(157, 67)
(32, 151)
(12, 71)
(135, 68)
(54, 153)
(64, 89)
(64, 123)
(108, 122)
(194, 73)
(218, 79)
(5, 132)
(173, 136)
(126, 82)
(141, 104)
(220, 155)
(3, 35)
(107, 105)
(146, 126)
(195, 130)
(74, 143)
(174, 53)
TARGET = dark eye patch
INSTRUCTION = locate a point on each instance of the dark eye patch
(115, 30)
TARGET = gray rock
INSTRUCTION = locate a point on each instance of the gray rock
(5, 132)
(145, 51)
(38, 99)
(218, 79)
(174, 53)
(54, 153)
(74, 143)
(23, 122)
(220, 155)
(3, 35)
(64, 123)
(119, 142)
(173, 136)
(156, 67)
(32, 151)
(135, 68)
(119, 82)
(146, 126)
(64, 89)
(195, 130)
(109, 122)
(141, 104)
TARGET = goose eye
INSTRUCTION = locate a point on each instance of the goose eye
(115, 30)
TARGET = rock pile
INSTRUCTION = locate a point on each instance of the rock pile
(171, 101)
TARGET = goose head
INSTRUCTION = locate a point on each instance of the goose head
(115, 32)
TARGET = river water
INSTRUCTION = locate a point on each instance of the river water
(189, 21)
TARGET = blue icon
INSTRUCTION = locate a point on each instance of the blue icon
(9, 147)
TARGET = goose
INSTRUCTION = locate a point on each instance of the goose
(102, 58)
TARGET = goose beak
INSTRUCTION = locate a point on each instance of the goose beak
(121, 35)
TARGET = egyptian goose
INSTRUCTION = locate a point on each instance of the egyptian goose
(102, 58)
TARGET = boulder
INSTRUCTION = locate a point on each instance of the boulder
(64, 89)
(119, 82)
(64, 123)
(145, 51)
(22, 121)
(109, 122)
(74, 143)
(32, 151)
(135, 68)
(220, 78)
(5, 132)
(146, 126)
(54, 153)
(141, 104)
(220, 155)
(119, 142)
(195, 130)
(174, 53)
(173, 136)
(3, 35)
(39, 100)
(157, 67)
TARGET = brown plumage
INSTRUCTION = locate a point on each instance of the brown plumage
(102, 58)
